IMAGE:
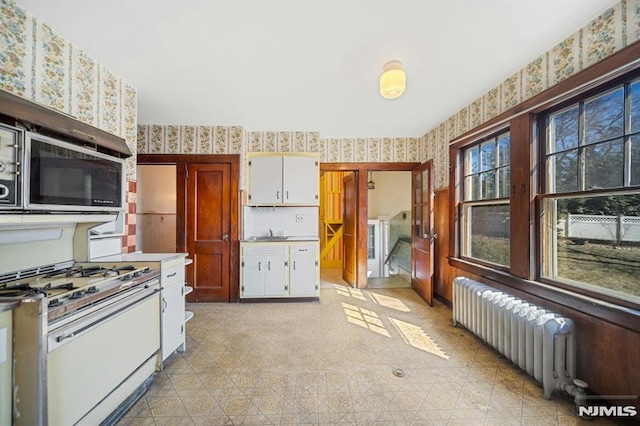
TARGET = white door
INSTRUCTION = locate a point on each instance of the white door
(252, 277)
(301, 180)
(265, 180)
(275, 283)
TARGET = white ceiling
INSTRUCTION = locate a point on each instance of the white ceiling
(312, 65)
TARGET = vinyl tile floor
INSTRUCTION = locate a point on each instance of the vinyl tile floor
(370, 357)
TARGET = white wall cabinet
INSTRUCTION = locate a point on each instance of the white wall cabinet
(284, 179)
(279, 270)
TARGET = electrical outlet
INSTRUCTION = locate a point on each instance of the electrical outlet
(299, 218)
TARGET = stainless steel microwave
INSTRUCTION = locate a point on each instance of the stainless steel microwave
(38, 172)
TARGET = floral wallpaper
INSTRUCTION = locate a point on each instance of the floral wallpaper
(40, 65)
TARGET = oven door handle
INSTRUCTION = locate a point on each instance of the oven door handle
(106, 317)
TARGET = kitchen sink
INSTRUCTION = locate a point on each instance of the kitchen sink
(268, 238)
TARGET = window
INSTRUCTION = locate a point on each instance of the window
(485, 209)
(591, 207)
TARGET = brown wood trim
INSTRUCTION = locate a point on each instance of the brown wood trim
(49, 121)
(521, 206)
(455, 190)
(187, 158)
(234, 243)
(628, 318)
(622, 62)
(374, 167)
(362, 229)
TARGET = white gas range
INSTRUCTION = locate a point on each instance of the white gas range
(71, 318)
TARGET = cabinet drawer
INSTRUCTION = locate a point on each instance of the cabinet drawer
(173, 274)
(302, 249)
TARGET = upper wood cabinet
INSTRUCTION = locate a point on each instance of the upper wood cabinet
(284, 179)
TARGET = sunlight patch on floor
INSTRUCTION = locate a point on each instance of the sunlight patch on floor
(364, 318)
(416, 337)
(390, 302)
(349, 292)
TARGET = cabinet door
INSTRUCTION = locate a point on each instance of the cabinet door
(303, 273)
(252, 276)
(172, 318)
(301, 180)
(275, 283)
(265, 180)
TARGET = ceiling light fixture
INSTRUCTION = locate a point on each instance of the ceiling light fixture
(393, 80)
(371, 184)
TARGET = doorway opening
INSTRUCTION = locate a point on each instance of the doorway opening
(389, 229)
(381, 212)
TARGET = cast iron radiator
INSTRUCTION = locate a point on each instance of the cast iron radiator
(537, 340)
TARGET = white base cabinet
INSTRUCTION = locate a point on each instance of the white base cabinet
(173, 313)
(279, 270)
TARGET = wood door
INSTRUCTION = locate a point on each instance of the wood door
(208, 227)
(422, 235)
(349, 215)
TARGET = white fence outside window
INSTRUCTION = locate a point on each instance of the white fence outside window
(595, 227)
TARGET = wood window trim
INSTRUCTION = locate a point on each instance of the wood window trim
(524, 188)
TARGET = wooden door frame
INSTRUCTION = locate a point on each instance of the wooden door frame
(361, 170)
(181, 161)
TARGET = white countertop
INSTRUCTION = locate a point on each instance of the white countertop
(139, 257)
(283, 240)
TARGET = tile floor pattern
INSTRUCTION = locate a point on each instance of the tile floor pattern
(333, 362)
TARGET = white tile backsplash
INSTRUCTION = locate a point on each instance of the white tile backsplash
(257, 221)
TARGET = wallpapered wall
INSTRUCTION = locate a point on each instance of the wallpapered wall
(40, 65)
(615, 28)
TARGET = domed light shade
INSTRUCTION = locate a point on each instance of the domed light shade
(393, 80)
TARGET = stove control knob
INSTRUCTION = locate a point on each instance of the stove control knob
(125, 277)
(76, 295)
(92, 289)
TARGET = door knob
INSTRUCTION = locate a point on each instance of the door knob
(225, 238)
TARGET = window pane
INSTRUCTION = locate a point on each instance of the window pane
(416, 221)
(471, 163)
(472, 188)
(635, 107)
(418, 188)
(425, 187)
(489, 233)
(488, 182)
(635, 160)
(595, 241)
(504, 176)
(564, 130)
(488, 156)
(503, 149)
(604, 116)
(564, 172)
(426, 226)
(604, 165)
